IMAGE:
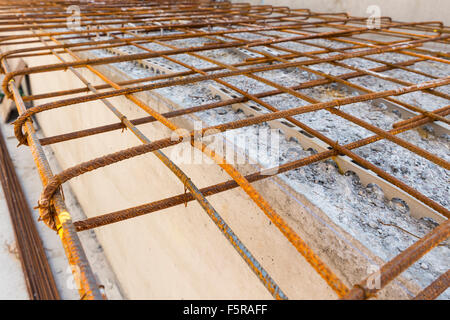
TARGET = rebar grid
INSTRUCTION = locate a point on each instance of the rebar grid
(260, 34)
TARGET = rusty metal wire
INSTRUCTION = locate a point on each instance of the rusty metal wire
(41, 30)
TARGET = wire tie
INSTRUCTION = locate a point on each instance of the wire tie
(122, 119)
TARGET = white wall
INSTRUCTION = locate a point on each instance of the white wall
(403, 10)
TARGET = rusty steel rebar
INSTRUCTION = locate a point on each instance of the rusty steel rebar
(436, 288)
(84, 277)
(393, 268)
(36, 269)
(243, 251)
(27, 32)
(129, 213)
